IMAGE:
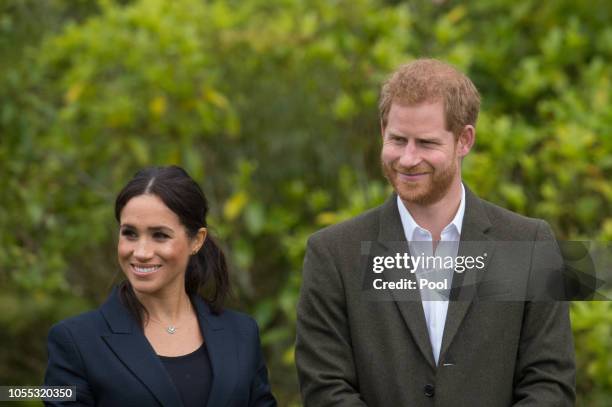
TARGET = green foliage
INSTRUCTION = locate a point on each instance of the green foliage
(592, 324)
(271, 106)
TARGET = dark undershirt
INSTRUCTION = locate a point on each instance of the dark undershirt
(191, 375)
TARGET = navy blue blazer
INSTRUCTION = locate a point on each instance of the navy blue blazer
(105, 354)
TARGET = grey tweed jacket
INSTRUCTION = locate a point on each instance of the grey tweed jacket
(355, 350)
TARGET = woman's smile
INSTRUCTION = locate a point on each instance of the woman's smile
(144, 269)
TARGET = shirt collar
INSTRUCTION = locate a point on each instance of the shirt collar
(410, 225)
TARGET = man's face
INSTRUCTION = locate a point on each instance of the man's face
(419, 156)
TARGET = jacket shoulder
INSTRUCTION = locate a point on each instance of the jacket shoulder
(511, 225)
(238, 321)
(89, 321)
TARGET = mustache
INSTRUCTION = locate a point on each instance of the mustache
(418, 169)
(391, 168)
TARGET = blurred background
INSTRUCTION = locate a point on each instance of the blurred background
(271, 106)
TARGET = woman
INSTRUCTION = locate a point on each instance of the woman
(155, 341)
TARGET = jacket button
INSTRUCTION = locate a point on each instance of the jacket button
(429, 390)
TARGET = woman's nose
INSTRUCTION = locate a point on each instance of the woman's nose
(143, 250)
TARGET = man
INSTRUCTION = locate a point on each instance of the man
(447, 347)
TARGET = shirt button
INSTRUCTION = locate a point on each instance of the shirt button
(429, 390)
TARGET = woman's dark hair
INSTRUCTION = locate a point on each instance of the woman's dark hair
(183, 196)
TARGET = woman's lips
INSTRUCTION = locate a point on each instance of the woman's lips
(145, 270)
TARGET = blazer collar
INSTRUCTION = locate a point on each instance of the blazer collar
(117, 316)
(222, 350)
(129, 344)
(475, 219)
(391, 238)
(390, 226)
(474, 241)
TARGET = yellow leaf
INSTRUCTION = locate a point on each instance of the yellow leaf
(74, 92)
(157, 106)
(327, 218)
(234, 206)
(216, 98)
(289, 356)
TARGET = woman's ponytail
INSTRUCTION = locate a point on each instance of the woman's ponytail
(207, 274)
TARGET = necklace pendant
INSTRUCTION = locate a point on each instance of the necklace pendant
(171, 330)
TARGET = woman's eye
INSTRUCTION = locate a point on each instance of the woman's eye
(160, 236)
(128, 233)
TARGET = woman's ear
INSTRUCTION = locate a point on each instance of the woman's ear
(198, 240)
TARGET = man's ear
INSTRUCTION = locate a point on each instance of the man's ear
(382, 129)
(466, 140)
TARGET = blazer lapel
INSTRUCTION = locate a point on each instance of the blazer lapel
(223, 353)
(474, 242)
(131, 346)
(391, 236)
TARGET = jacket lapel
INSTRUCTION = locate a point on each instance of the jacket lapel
(130, 345)
(474, 242)
(391, 236)
(223, 352)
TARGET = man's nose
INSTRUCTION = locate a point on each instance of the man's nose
(410, 155)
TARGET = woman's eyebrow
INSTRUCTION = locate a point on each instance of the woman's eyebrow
(156, 228)
(160, 228)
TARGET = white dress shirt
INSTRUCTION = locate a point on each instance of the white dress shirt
(435, 303)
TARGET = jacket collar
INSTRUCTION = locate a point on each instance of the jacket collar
(222, 351)
(392, 239)
(475, 220)
(128, 342)
(410, 225)
(474, 240)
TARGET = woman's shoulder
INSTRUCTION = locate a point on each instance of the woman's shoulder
(229, 318)
(239, 319)
(89, 321)
(92, 322)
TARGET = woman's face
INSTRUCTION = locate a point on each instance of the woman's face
(154, 248)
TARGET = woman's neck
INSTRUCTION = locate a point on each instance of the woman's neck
(167, 308)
